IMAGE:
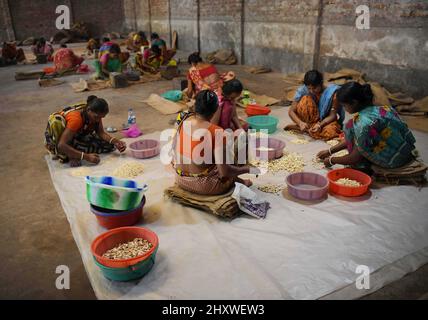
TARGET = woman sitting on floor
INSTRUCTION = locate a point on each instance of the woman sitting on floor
(106, 44)
(166, 53)
(108, 62)
(375, 135)
(66, 60)
(315, 109)
(77, 133)
(42, 47)
(203, 76)
(199, 175)
(136, 41)
(150, 61)
(10, 54)
(92, 45)
(227, 116)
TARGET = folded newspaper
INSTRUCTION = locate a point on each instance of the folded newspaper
(249, 202)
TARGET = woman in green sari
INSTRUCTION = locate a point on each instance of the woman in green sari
(376, 135)
(108, 62)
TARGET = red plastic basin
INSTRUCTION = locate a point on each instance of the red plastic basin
(111, 219)
(352, 174)
(110, 239)
(256, 110)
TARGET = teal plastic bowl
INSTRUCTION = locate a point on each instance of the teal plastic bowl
(130, 273)
(268, 123)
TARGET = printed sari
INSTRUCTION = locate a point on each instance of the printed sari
(381, 137)
(85, 140)
(206, 78)
(312, 109)
(112, 65)
(65, 60)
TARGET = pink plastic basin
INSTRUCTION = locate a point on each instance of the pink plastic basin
(307, 185)
(143, 149)
(276, 144)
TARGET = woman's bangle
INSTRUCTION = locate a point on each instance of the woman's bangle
(111, 140)
(81, 156)
(329, 151)
(329, 161)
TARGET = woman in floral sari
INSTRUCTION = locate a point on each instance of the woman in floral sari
(136, 40)
(150, 61)
(315, 109)
(66, 60)
(376, 135)
(108, 62)
(204, 76)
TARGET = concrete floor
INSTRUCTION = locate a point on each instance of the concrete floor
(35, 236)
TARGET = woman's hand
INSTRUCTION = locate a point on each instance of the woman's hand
(303, 126)
(316, 128)
(323, 154)
(327, 162)
(92, 158)
(120, 145)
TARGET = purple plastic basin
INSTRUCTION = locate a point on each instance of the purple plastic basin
(276, 144)
(307, 185)
(143, 149)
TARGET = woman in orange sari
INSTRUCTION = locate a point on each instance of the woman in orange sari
(316, 110)
(204, 76)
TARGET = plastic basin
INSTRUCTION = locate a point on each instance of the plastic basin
(256, 110)
(352, 174)
(307, 185)
(113, 193)
(134, 272)
(111, 219)
(272, 143)
(144, 149)
(114, 237)
(268, 123)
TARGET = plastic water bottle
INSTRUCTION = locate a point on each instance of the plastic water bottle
(132, 119)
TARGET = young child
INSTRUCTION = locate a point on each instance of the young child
(227, 116)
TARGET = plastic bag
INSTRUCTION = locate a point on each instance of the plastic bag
(173, 95)
(249, 202)
(132, 132)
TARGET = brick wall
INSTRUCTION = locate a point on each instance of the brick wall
(184, 21)
(101, 16)
(37, 18)
(34, 18)
(281, 34)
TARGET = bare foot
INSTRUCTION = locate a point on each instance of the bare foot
(75, 163)
(292, 127)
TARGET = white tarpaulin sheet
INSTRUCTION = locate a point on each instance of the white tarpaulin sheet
(300, 251)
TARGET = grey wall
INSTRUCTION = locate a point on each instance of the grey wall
(286, 35)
